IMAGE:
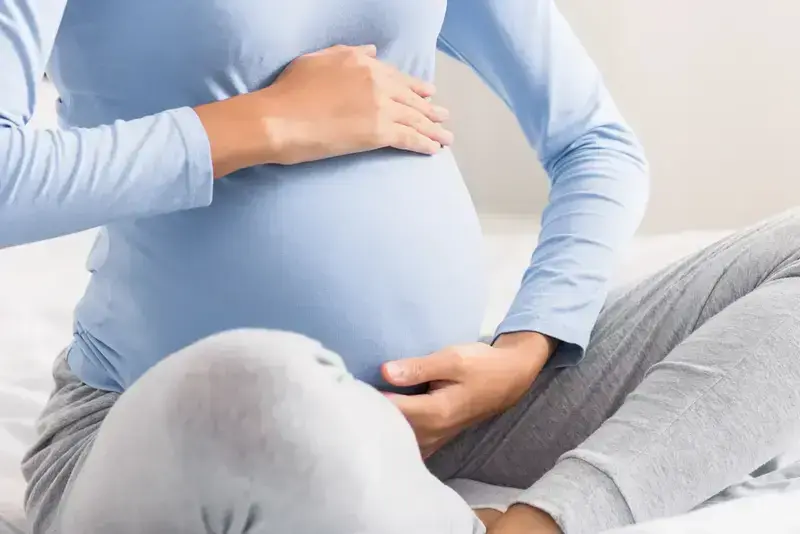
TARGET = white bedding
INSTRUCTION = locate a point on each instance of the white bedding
(40, 284)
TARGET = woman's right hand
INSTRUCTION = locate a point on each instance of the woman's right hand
(341, 100)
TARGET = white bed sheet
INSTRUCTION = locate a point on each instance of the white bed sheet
(41, 283)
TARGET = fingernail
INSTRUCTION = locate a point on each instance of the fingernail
(394, 370)
(441, 113)
(447, 137)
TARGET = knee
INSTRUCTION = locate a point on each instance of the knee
(266, 351)
(248, 369)
(764, 252)
(236, 389)
(260, 353)
(233, 361)
(777, 238)
(241, 413)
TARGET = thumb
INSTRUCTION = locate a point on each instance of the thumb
(370, 50)
(443, 365)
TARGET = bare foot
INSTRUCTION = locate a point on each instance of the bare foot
(524, 519)
(488, 516)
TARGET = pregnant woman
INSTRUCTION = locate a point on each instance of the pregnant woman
(280, 332)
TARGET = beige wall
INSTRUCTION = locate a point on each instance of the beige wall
(711, 86)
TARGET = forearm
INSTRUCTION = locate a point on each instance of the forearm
(54, 182)
(526, 51)
(598, 197)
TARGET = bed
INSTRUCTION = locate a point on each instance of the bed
(42, 282)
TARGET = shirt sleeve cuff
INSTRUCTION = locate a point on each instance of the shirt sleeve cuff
(199, 169)
(573, 340)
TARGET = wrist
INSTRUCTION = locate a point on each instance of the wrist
(530, 350)
(270, 126)
(236, 132)
(529, 342)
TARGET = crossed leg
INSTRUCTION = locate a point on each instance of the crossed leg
(253, 432)
(688, 384)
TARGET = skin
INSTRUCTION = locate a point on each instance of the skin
(523, 519)
(343, 100)
(337, 101)
(469, 384)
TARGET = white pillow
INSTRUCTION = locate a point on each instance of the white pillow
(39, 287)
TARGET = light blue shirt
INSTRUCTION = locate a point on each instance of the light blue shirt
(377, 255)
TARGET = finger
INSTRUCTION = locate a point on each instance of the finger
(369, 50)
(442, 365)
(407, 138)
(415, 119)
(413, 407)
(409, 98)
(420, 87)
(432, 423)
(427, 452)
(429, 449)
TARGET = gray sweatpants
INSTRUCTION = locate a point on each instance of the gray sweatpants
(691, 382)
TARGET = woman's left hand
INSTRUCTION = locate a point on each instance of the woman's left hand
(468, 384)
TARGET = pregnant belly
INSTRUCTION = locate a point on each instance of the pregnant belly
(378, 256)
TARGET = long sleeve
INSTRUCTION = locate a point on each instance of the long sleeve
(54, 182)
(527, 53)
